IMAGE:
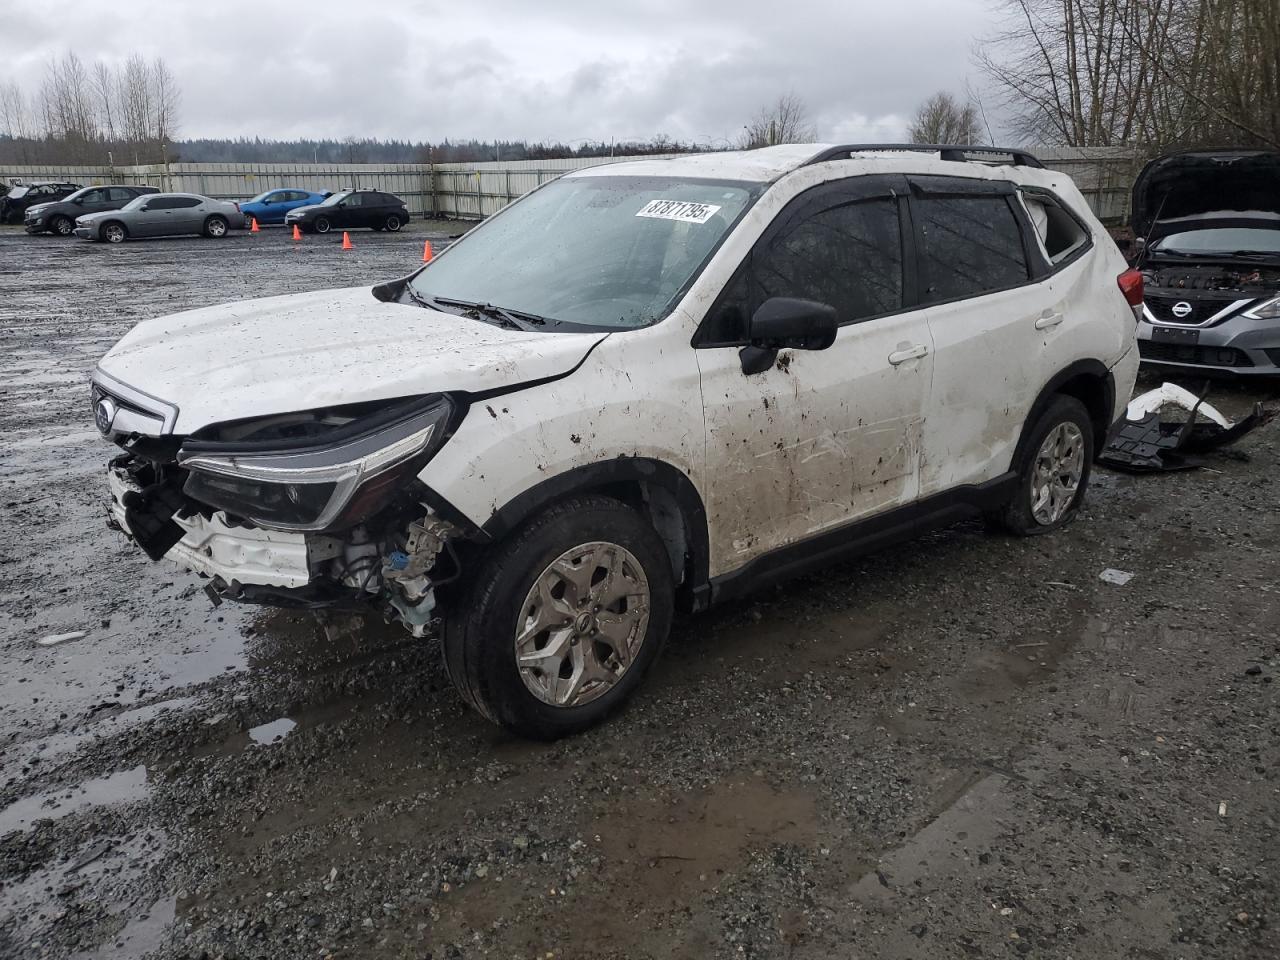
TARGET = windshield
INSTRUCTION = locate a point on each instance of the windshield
(136, 202)
(608, 252)
(79, 193)
(336, 198)
(262, 196)
(19, 191)
(1221, 240)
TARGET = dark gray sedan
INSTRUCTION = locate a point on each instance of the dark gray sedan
(162, 215)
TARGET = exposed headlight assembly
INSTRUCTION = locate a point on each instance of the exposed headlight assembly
(1270, 310)
(325, 482)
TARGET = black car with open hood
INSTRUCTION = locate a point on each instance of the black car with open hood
(1209, 226)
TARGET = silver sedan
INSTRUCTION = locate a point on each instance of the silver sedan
(162, 215)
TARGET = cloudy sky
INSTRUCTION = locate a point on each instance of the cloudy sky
(558, 69)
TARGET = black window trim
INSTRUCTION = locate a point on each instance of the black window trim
(1050, 196)
(815, 200)
(1036, 265)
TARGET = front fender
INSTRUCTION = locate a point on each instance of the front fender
(635, 399)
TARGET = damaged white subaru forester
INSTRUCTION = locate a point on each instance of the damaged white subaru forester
(645, 386)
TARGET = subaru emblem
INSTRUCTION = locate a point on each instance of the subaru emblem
(104, 414)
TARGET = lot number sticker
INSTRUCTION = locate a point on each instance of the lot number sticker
(686, 211)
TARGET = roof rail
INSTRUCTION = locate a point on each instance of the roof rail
(954, 152)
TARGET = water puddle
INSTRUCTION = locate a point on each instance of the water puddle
(268, 733)
(123, 786)
(139, 935)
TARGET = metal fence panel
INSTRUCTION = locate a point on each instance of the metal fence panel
(472, 191)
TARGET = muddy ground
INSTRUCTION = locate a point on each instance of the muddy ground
(966, 746)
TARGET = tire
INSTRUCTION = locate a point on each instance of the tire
(393, 223)
(61, 226)
(215, 227)
(113, 232)
(1065, 423)
(480, 624)
(322, 225)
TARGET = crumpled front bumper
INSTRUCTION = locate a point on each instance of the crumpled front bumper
(215, 548)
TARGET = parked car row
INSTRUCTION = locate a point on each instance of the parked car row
(116, 212)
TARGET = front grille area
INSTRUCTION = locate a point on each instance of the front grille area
(1201, 310)
(1186, 353)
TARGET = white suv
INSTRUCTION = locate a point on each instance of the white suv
(644, 386)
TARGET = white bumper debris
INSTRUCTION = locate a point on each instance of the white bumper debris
(214, 548)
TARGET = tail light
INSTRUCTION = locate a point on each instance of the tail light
(1130, 284)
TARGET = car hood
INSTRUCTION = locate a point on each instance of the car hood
(305, 351)
(306, 208)
(39, 207)
(1174, 190)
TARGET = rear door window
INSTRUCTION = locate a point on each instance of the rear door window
(970, 246)
(120, 194)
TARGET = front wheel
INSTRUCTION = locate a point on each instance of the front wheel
(322, 225)
(563, 619)
(62, 226)
(1053, 470)
(114, 233)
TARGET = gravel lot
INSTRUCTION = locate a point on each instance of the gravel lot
(966, 746)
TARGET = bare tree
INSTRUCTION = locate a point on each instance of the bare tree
(944, 119)
(1151, 73)
(15, 112)
(105, 91)
(165, 99)
(135, 99)
(785, 121)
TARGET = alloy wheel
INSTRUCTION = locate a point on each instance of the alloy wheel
(1056, 473)
(582, 624)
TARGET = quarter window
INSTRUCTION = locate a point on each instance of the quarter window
(1059, 233)
(972, 245)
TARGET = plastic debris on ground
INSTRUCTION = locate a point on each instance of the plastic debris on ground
(1146, 441)
(1118, 577)
(54, 639)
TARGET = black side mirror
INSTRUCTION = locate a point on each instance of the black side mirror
(787, 322)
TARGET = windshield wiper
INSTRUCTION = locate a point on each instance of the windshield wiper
(515, 319)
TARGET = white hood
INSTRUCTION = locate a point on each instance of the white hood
(301, 352)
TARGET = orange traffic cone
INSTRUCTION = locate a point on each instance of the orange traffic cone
(346, 241)
(426, 252)
(253, 225)
(297, 234)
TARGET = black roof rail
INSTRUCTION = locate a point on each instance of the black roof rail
(954, 152)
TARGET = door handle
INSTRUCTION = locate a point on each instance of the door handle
(910, 353)
(1048, 319)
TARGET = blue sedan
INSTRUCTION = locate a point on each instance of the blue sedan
(271, 206)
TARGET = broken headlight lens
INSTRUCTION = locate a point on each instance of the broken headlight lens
(1270, 310)
(318, 483)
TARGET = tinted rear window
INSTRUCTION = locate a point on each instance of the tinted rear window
(972, 245)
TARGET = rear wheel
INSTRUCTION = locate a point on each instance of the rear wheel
(114, 232)
(215, 227)
(1053, 470)
(62, 226)
(563, 619)
(322, 225)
